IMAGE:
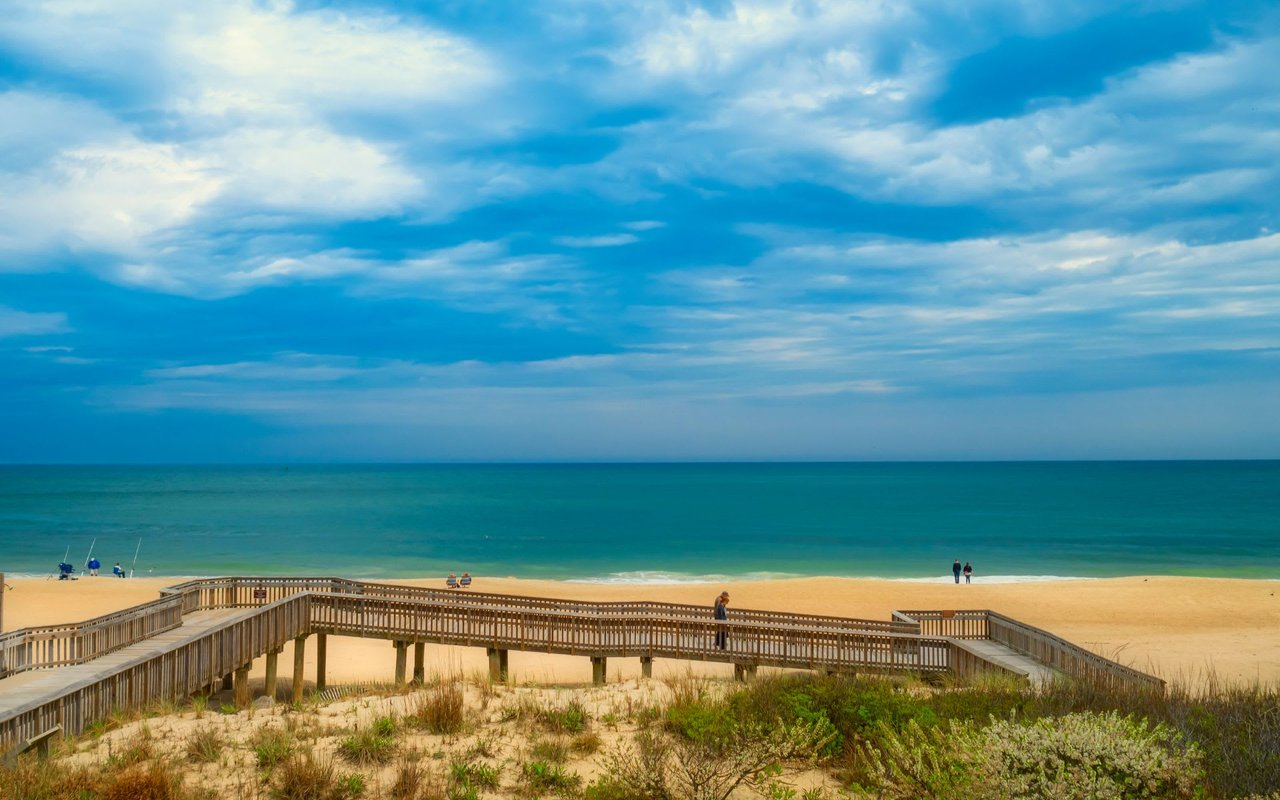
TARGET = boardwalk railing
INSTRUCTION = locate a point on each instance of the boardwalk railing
(249, 592)
(265, 613)
(576, 633)
(1037, 643)
(173, 674)
(63, 645)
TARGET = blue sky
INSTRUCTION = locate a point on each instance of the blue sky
(300, 231)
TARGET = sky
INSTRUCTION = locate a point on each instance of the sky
(568, 230)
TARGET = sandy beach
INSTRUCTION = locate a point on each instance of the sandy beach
(1181, 629)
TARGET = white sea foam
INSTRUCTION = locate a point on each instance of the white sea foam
(642, 577)
(988, 579)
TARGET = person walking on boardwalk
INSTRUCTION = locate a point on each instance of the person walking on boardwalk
(955, 570)
(722, 614)
(968, 572)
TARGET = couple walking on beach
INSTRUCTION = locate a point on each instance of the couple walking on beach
(967, 569)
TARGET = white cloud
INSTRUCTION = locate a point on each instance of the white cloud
(258, 59)
(14, 322)
(311, 170)
(607, 240)
(109, 197)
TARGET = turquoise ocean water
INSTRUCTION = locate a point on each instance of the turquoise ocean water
(652, 522)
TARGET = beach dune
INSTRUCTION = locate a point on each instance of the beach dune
(1181, 629)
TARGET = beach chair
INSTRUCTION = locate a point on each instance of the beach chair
(465, 581)
(65, 571)
(451, 581)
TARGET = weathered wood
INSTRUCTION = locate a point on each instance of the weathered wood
(322, 655)
(401, 649)
(40, 742)
(272, 673)
(299, 662)
(242, 687)
(419, 665)
(744, 673)
(646, 666)
(497, 665)
(599, 665)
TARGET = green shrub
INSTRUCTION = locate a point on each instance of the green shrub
(540, 777)
(569, 718)
(1075, 756)
(368, 747)
(271, 746)
(474, 773)
(555, 751)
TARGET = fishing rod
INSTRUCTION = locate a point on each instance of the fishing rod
(65, 556)
(135, 557)
(89, 557)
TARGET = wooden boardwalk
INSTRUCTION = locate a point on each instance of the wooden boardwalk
(202, 632)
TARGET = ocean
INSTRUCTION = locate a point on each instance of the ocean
(634, 523)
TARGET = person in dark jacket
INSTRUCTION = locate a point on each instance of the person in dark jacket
(722, 613)
(968, 572)
(955, 570)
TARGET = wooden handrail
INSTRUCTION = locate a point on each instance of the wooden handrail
(236, 592)
(45, 646)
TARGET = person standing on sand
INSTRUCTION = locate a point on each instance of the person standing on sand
(722, 614)
(955, 570)
(968, 571)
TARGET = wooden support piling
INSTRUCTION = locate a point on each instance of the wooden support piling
(419, 666)
(273, 677)
(401, 652)
(497, 665)
(646, 666)
(242, 686)
(322, 648)
(598, 666)
(744, 673)
(299, 657)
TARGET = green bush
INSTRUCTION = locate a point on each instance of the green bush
(368, 747)
(1076, 756)
(271, 746)
(569, 718)
(540, 777)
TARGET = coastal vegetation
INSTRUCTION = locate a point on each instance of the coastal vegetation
(781, 737)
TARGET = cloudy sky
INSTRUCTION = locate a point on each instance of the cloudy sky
(856, 229)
